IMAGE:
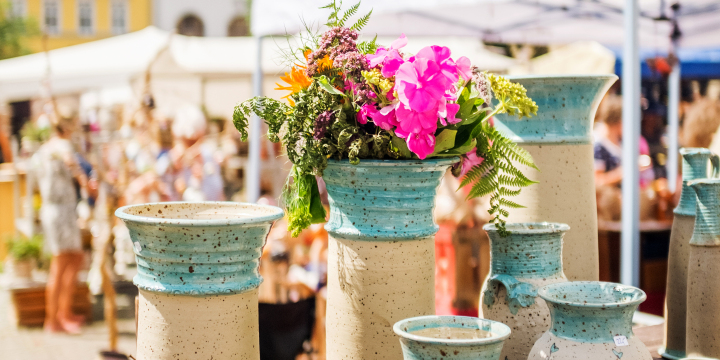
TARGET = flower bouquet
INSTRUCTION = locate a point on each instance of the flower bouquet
(360, 100)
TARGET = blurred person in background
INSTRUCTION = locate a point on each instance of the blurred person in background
(701, 124)
(58, 170)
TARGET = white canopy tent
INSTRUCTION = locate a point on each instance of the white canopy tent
(632, 23)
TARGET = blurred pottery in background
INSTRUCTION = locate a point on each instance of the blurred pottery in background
(703, 288)
(591, 320)
(529, 258)
(560, 140)
(451, 338)
(381, 252)
(199, 259)
(694, 166)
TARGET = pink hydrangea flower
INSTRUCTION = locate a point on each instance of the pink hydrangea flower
(419, 85)
(389, 58)
(413, 121)
(421, 144)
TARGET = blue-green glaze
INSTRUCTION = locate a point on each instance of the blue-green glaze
(707, 217)
(591, 311)
(694, 167)
(201, 248)
(416, 347)
(381, 200)
(566, 109)
(531, 251)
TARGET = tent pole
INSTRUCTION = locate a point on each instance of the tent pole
(252, 175)
(673, 126)
(630, 241)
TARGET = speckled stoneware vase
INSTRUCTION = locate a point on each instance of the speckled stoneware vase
(198, 277)
(521, 263)
(703, 293)
(560, 140)
(694, 166)
(381, 252)
(591, 320)
(419, 347)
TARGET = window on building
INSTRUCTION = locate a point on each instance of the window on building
(119, 17)
(85, 17)
(191, 25)
(51, 16)
(18, 8)
(239, 27)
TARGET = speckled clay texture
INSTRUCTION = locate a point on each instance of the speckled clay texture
(381, 255)
(521, 263)
(587, 319)
(703, 301)
(695, 166)
(217, 327)
(416, 347)
(560, 140)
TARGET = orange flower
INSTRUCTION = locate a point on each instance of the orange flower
(297, 81)
(306, 53)
(325, 63)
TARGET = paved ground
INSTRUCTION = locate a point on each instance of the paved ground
(34, 344)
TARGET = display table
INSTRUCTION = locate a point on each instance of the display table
(652, 336)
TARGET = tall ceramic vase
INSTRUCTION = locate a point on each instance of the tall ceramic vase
(560, 140)
(521, 263)
(451, 338)
(695, 166)
(591, 320)
(198, 277)
(703, 292)
(381, 252)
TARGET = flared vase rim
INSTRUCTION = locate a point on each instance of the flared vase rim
(708, 181)
(545, 293)
(500, 331)
(389, 162)
(269, 213)
(694, 151)
(607, 76)
(525, 228)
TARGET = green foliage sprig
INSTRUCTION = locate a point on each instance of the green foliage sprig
(25, 249)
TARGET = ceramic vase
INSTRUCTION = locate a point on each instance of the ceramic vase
(703, 292)
(694, 166)
(560, 140)
(521, 263)
(381, 252)
(198, 277)
(423, 347)
(591, 320)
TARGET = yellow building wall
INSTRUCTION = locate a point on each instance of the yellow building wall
(139, 17)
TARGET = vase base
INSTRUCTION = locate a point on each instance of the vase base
(671, 354)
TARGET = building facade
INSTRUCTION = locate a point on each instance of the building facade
(202, 17)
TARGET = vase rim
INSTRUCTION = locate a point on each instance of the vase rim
(253, 214)
(563, 76)
(703, 182)
(411, 162)
(530, 227)
(498, 330)
(694, 150)
(551, 292)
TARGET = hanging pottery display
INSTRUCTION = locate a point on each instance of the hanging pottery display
(527, 259)
(703, 289)
(198, 277)
(591, 320)
(451, 338)
(694, 166)
(560, 141)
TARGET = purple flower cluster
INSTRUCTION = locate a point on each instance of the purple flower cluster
(321, 124)
(333, 43)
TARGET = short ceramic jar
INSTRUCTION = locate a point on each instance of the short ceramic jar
(529, 258)
(703, 293)
(487, 345)
(591, 320)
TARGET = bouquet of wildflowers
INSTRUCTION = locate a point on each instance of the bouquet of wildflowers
(359, 100)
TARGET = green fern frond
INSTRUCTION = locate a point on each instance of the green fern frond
(362, 22)
(368, 47)
(475, 173)
(510, 204)
(274, 113)
(348, 13)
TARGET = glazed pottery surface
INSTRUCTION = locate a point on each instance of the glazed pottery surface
(560, 140)
(703, 300)
(590, 320)
(381, 252)
(200, 259)
(695, 166)
(521, 263)
(417, 347)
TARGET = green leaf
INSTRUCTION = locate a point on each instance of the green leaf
(466, 108)
(479, 101)
(325, 85)
(444, 141)
(401, 146)
(317, 211)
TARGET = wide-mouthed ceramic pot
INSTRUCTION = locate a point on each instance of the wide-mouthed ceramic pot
(591, 320)
(451, 338)
(198, 277)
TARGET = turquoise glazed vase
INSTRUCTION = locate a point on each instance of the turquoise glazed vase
(381, 252)
(560, 140)
(703, 293)
(198, 277)
(521, 263)
(590, 320)
(441, 339)
(694, 166)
